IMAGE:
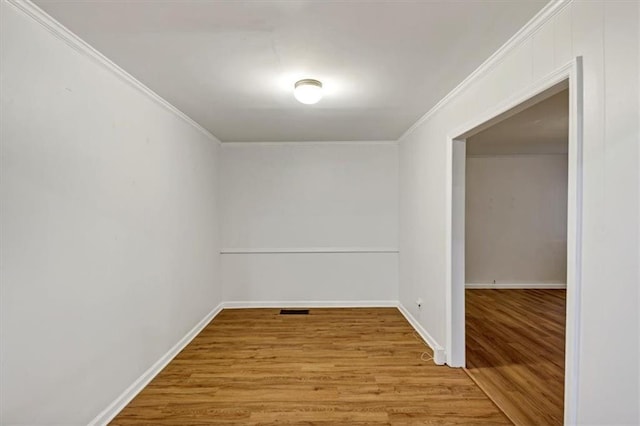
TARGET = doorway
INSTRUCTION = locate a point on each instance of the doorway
(516, 260)
(568, 78)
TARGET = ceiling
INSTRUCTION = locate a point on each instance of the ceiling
(540, 129)
(231, 65)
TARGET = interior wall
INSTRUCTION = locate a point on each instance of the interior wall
(309, 221)
(516, 219)
(605, 34)
(109, 238)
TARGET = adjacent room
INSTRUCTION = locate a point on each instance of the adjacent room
(516, 186)
(319, 212)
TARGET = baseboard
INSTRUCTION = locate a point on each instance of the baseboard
(438, 350)
(311, 304)
(532, 286)
(121, 401)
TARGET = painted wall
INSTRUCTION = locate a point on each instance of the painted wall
(606, 35)
(109, 237)
(336, 198)
(516, 219)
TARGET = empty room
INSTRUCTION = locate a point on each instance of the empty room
(319, 212)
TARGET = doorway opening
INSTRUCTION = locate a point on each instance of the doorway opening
(567, 80)
(516, 260)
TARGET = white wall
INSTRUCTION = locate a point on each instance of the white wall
(516, 219)
(109, 237)
(337, 198)
(606, 35)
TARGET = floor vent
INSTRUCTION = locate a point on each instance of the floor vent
(294, 312)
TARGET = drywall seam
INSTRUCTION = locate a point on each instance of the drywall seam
(323, 143)
(308, 250)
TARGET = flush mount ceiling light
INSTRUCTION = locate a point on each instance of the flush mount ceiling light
(308, 91)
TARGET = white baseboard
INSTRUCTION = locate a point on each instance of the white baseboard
(438, 350)
(312, 304)
(516, 285)
(121, 401)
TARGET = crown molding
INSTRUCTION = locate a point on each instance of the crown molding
(71, 39)
(530, 28)
(63, 33)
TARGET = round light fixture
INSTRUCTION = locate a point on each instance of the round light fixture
(308, 91)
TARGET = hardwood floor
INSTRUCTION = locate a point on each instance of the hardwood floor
(515, 351)
(333, 366)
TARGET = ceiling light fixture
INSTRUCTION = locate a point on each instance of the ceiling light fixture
(308, 91)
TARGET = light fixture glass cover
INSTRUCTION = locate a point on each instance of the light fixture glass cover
(308, 91)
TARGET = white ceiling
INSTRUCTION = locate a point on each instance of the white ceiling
(540, 129)
(231, 65)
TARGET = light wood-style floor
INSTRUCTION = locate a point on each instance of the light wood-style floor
(334, 366)
(515, 351)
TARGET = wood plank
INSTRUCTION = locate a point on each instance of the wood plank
(356, 366)
(515, 351)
